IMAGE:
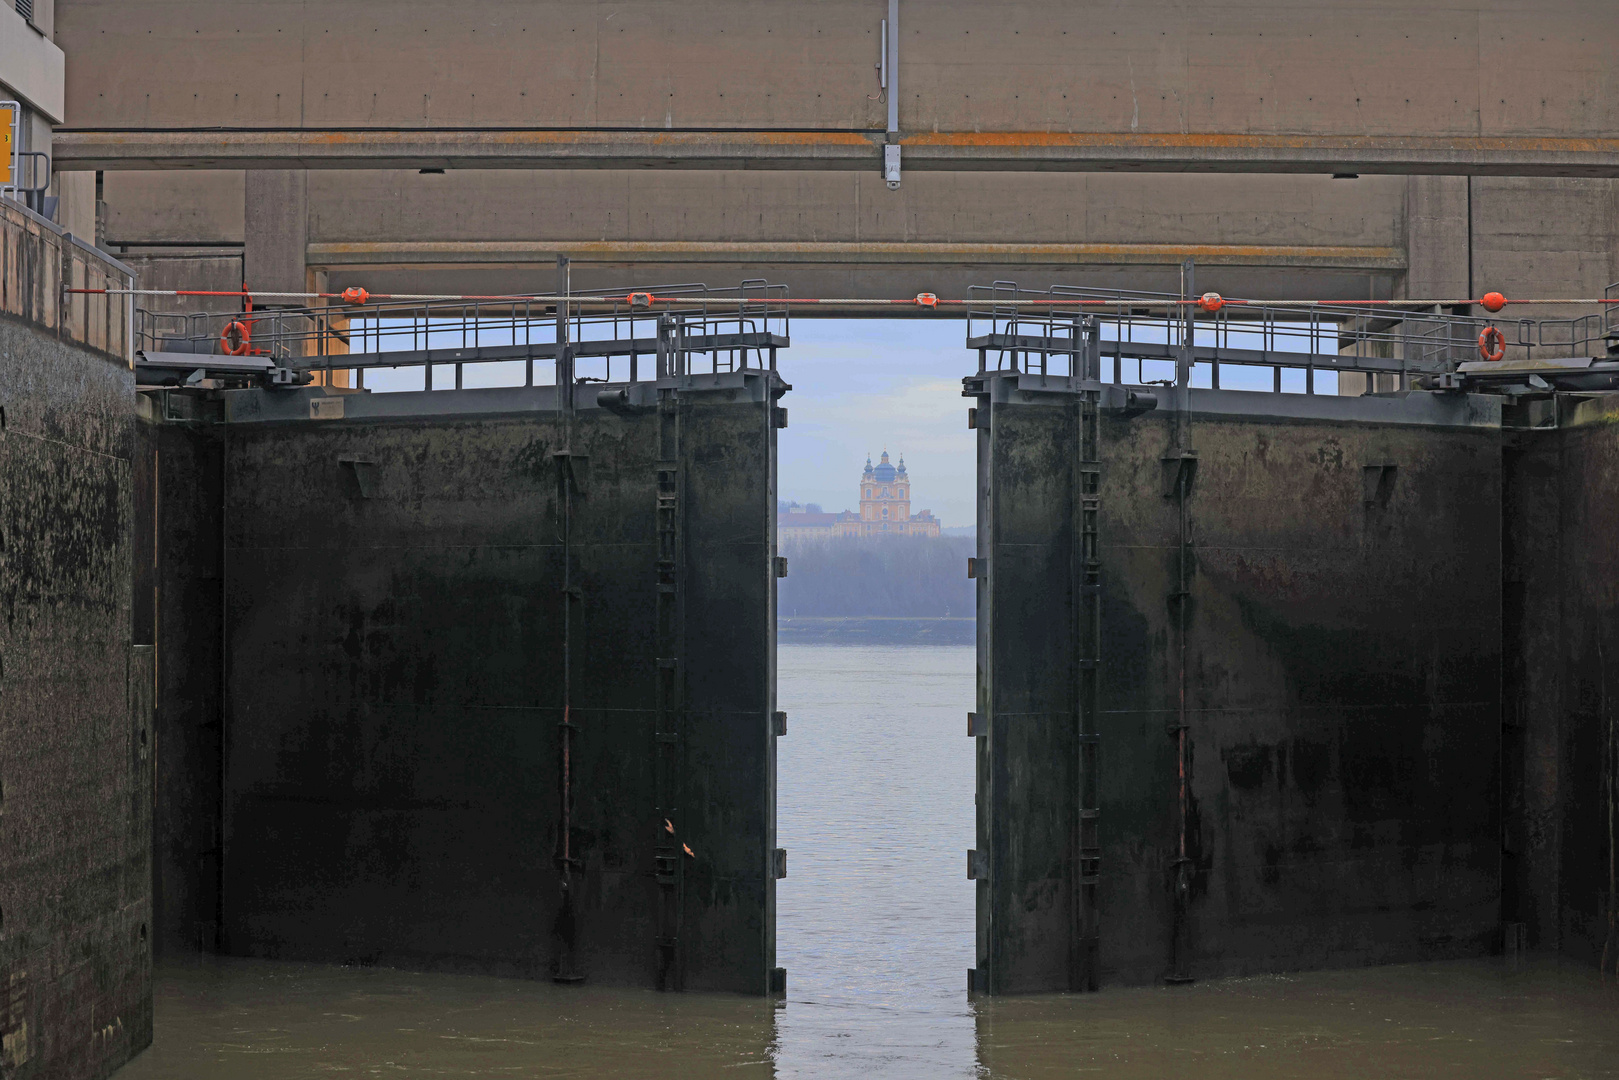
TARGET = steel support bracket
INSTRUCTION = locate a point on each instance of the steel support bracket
(1377, 483)
(1180, 471)
(364, 473)
(891, 165)
(577, 467)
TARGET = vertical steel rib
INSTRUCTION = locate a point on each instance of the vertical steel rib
(668, 866)
(567, 953)
(1181, 466)
(1088, 852)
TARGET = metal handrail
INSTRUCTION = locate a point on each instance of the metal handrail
(1141, 325)
(735, 328)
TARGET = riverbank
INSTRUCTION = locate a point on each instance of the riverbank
(875, 630)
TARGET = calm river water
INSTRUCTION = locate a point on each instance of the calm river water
(875, 930)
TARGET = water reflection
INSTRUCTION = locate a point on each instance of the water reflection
(1472, 1018)
(266, 1020)
(263, 1020)
(875, 928)
(875, 921)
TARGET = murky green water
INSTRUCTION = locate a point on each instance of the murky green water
(875, 929)
(258, 1020)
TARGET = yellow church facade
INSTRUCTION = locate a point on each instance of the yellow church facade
(885, 505)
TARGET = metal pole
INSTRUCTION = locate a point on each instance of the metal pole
(891, 62)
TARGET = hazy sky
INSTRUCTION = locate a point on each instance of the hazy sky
(863, 385)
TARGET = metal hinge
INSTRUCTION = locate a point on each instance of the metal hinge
(781, 863)
(781, 723)
(977, 865)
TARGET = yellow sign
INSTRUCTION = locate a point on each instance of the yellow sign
(8, 118)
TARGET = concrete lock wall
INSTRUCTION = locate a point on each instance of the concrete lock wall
(1343, 665)
(76, 745)
(390, 614)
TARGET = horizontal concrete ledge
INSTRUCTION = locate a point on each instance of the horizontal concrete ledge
(413, 253)
(1010, 151)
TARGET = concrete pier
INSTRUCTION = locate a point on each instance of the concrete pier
(76, 684)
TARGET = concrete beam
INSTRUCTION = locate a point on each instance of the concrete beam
(1489, 86)
(825, 234)
(877, 253)
(993, 151)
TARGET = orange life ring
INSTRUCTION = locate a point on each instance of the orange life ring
(243, 339)
(1492, 344)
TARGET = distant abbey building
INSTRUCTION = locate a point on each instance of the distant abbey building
(885, 508)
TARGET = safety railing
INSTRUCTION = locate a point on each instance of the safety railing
(1041, 331)
(610, 335)
(40, 261)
